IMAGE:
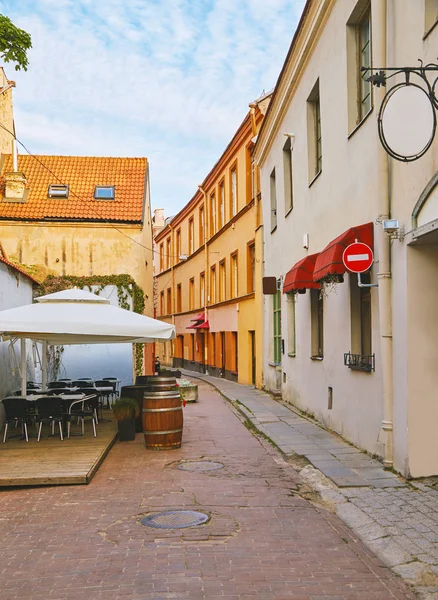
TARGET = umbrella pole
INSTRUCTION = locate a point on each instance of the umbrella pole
(23, 367)
(44, 367)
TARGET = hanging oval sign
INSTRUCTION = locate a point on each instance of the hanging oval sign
(407, 122)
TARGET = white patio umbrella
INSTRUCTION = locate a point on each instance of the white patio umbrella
(78, 317)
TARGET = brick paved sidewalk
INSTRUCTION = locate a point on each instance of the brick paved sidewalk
(264, 541)
(397, 520)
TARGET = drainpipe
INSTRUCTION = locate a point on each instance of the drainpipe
(379, 12)
(172, 281)
(207, 275)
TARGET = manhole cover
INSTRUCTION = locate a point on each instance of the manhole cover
(175, 519)
(200, 465)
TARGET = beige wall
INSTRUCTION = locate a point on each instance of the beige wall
(349, 192)
(82, 249)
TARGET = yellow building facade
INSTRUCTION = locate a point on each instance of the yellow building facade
(209, 270)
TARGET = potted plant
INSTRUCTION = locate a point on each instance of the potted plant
(125, 411)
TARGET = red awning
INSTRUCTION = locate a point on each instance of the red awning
(190, 326)
(200, 317)
(329, 261)
(205, 325)
(301, 275)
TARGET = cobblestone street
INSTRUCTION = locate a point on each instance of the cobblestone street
(396, 519)
(264, 540)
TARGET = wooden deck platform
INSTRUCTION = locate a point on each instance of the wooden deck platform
(52, 461)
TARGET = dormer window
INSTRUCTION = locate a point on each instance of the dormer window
(104, 192)
(58, 191)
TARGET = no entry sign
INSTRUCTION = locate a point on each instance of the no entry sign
(358, 257)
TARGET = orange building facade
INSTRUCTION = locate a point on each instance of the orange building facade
(208, 277)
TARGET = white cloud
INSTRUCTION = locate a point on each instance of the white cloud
(170, 80)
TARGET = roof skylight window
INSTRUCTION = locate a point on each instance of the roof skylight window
(58, 191)
(104, 192)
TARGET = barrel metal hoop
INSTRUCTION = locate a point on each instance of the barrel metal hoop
(161, 409)
(162, 432)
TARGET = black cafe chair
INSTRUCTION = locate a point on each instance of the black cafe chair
(113, 382)
(105, 395)
(81, 410)
(81, 383)
(49, 410)
(56, 384)
(15, 413)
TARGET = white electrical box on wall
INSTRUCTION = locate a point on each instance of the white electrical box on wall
(306, 241)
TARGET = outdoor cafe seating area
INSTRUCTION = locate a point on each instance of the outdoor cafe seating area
(64, 404)
(57, 435)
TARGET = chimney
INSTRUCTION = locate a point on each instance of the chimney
(15, 182)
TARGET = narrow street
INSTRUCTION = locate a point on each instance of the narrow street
(263, 540)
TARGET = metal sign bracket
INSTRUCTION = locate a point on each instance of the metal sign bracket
(365, 285)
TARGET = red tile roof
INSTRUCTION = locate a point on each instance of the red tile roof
(17, 268)
(81, 174)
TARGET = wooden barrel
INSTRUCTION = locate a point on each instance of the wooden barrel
(158, 383)
(162, 419)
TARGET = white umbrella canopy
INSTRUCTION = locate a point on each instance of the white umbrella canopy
(78, 317)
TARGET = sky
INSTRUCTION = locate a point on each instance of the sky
(167, 79)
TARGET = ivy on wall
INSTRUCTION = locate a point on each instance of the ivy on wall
(126, 288)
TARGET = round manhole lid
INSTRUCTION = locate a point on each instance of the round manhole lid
(200, 465)
(175, 519)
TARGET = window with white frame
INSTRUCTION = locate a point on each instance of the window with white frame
(287, 176)
(359, 64)
(273, 199)
(291, 331)
(314, 132)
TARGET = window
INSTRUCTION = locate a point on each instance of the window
(202, 288)
(234, 276)
(233, 191)
(213, 349)
(213, 285)
(287, 173)
(191, 235)
(162, 257)
(250, 268)
(291, 332)
(234, 350)
(314, 137)
(222, 281)
(201, 225)
(178, 244)
(359, 58)
(364, 56)
(104, 192)
(168, 253)
(221, 211)
(317, 323)
(273, 197)
(212, 214)
(58, 191)
(162, 303)
(192, 346)
(276, 300)
(430, 14)
(169, 301)
(192, 294)
(178, 298)
(360, 311)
